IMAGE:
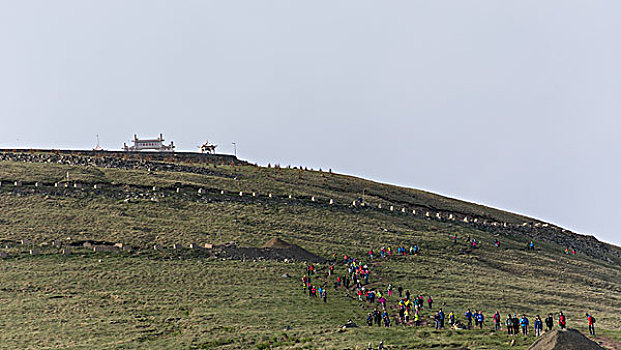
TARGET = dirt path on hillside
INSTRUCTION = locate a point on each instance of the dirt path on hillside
(608, 343)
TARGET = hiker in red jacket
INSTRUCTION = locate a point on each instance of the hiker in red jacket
(430, 302)
(497, 320)
(591, 320)
(562, 322)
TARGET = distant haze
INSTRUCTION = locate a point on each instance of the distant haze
(512, 104)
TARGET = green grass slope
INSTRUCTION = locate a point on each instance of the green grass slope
(190, 299)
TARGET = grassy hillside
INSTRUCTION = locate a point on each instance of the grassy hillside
(185, 298)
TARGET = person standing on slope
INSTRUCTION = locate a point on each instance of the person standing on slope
(524, 323)
(451, 318)
(516, 325)
(469, 316)
(430, 302)
(475, 316)
(416, 319)
(562, 322)
(509, 324)
(496, 318)
(538, 326)
(549, 322)
(386, 319)
(441, 316)
(591, 320)
(480, 319)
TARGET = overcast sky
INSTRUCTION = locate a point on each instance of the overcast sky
(512, 104)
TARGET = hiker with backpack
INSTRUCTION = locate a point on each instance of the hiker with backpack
(377, 317)
(538, 326)
(430, 302)
(549, 322)
(496, 319)
(509, 324)
(562, 322)
(441, 317)
(591, 321)
(416, 319)
(386, 319)
(516, 324)
(524, 323)
(480, 319)
(469, 317)
(436, 319)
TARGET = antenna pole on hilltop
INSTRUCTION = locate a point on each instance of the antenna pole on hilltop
(235, 149)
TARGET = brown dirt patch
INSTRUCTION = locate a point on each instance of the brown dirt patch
(274, 249)
(565, 340)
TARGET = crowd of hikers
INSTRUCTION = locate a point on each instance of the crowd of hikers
(409, 308)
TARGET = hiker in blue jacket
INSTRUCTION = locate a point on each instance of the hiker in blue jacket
(441, 317)
(524, 323)
(480, 319)
(538, 326)
(468, 315)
